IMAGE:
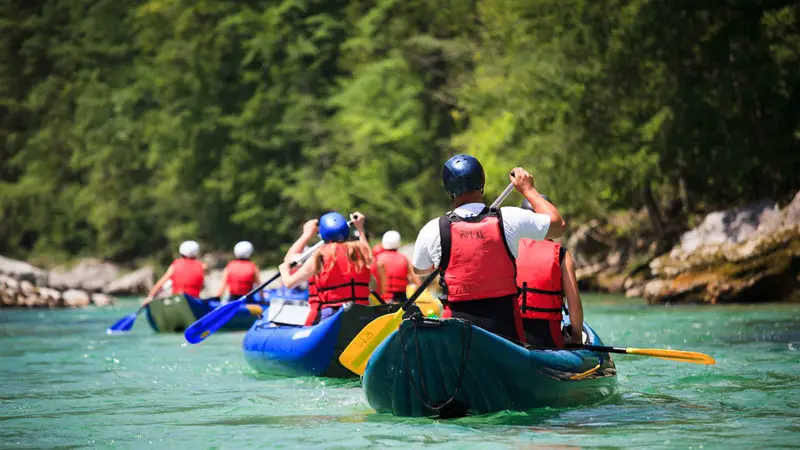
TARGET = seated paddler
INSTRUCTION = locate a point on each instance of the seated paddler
(241, 274)
(340, 268)
(394, 269)
(545, 276)
(186, 273)
(475, 247)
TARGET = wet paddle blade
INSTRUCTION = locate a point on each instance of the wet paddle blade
(357, 353)
(673, 355)
(123, 325)
(212, 321)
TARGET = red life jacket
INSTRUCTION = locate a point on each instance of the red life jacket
(539, 279)
(376, 251)
(476, 263)
(241, 277)
(338, 283)
(313, 295)
(187, 276)
(396, 266)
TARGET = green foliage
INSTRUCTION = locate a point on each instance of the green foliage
(129, 126)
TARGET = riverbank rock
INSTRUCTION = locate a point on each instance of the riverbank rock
(611, 255)
(74, 298)
(89, 274)
(99, 299)
(138, 282)
(748, 254)
(23, 285)
(20, 270)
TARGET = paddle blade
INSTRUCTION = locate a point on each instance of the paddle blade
(357, 353)
(212, 322)
(673, 355)
(123, 325)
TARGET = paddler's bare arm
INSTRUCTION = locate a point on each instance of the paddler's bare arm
(309, 230)
(158, 285)
(523, 183)
(569, 283)
(291, 280)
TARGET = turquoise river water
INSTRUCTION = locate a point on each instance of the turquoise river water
(66, 384)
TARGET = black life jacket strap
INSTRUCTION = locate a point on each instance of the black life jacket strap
(352, 285)
(525, 289)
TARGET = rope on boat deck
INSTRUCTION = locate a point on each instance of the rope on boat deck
(466, 342)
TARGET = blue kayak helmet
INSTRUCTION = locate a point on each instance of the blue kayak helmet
(463, 173)
(527, 205)
(333, 227)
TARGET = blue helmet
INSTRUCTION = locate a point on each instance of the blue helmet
(462, 173)
(333, 227)
(527, 205)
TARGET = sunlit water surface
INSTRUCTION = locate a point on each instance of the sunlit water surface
(66, 384)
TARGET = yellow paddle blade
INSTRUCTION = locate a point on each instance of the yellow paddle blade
(357, 353)
(673, 355)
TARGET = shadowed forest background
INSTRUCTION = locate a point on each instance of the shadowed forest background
(128, 126)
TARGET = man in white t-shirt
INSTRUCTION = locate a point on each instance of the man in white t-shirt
(474, 247)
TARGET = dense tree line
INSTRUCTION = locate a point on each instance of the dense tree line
(127, 126)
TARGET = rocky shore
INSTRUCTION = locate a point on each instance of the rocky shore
(744, 255)
(90, 282)
(748, 254)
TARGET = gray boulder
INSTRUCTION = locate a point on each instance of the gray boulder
(748, 254)
(138, 282)
(21, 270)
(75, 298)
(99, 299)
(89, 274)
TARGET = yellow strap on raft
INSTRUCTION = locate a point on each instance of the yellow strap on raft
(586, 374)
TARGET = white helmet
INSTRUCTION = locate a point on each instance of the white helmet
(189, 249)
(391, 240)
(243, 250)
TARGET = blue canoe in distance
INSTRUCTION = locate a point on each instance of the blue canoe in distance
(275, 347)
(174, 314)
(451, 368)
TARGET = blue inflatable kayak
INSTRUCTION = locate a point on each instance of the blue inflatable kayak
(451, 368)
(280, 346)
(174, 314)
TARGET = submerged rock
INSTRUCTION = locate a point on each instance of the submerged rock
(749, 254)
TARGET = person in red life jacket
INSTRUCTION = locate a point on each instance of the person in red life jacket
(300, 245)
(545, 275)
(241, 274)
(340, 267)
(187, 273)
(474, 247)
(394, 269)
(377, 250)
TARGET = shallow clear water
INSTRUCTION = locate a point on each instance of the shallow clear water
(66, 384)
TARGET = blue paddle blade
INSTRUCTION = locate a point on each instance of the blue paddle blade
(212, 321)
(123, 325)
